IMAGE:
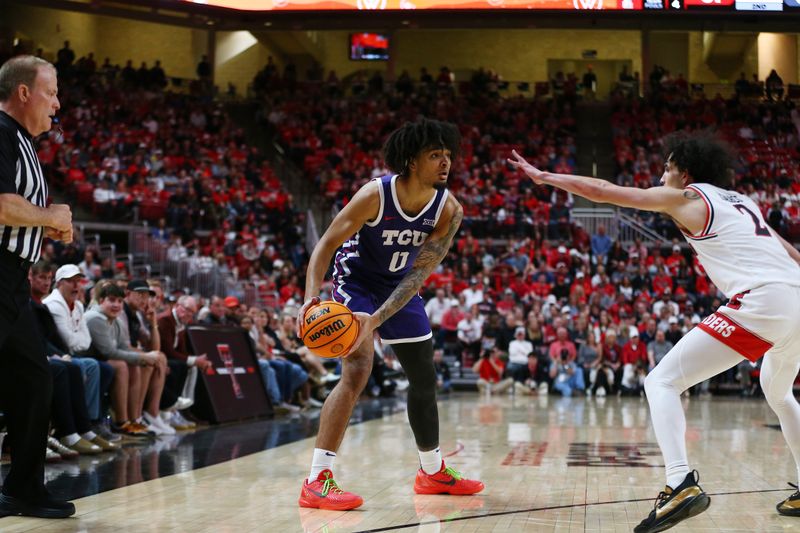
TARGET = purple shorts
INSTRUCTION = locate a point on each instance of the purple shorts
(409, 324)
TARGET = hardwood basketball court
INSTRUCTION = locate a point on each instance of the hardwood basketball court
(549, 464)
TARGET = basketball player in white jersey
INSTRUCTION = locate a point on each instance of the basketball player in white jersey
(752, 265)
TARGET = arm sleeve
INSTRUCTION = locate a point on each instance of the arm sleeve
(105, 343)
(8, 161)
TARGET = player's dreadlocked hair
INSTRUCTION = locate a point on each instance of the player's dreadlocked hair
(408, 141)
(703, 155)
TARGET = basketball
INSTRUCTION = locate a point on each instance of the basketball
(329, 329)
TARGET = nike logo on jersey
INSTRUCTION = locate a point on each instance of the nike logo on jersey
(389, 218)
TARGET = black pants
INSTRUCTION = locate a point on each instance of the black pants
(69, 399)
(26, 387)
(173, 384)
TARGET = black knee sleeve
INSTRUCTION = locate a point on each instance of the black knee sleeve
(423, 415)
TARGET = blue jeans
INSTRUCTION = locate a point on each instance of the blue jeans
(270, 381)
(90, 369)
(290, 377)
(565, 383)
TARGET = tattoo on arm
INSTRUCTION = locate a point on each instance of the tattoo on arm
(432, 253)
(691, 195)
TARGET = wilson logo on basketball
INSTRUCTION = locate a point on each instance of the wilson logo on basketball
(316, 314)
(327, 331)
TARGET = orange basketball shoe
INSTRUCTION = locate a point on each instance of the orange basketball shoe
(445, 481)
(324, 493)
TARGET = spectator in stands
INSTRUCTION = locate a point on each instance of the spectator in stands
(139, 321)
(470, 332)
(601, 245)
(566, 375)
(742, 86)
(64, 59)
(443, 379)
(774, 86)
(673, 333)
(562, 345)
(657, 349)
(450, 321)
(435, 308)
(290, 371)
(183, 365)
(232, 307)
(473, 295)
(89, 266)
(588, 357)
(489, 368)
(666, 301)
(203, 70)
(70, 402)
(66, 311)
(518, 351)
(216, 313)
(589, 83)
(109, 343)
(261, 344)
(289, 341)
(612, 357)
(634, 364)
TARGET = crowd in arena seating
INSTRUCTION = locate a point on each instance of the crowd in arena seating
(569, 321)
(335, 136)
(177, 160)
(527, 299)
(118, 350)
(764, 134)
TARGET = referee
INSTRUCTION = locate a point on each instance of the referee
(28, 101)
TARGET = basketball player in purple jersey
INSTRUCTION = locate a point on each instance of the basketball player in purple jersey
(752, 265)
(387, 241)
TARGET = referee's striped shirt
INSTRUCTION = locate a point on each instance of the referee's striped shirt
(21, 173)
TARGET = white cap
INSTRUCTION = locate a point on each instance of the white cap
(633, 332)
(67, 271)
(565, 309)
(551, 299)
(562, 249)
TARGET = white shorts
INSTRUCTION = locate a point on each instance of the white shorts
(761, 320)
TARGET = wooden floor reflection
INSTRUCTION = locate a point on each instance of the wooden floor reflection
(549, 464)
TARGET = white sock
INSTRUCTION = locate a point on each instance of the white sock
(323, 460)
(676, 473)
(430, 462)
(71, 439)
(89, 435)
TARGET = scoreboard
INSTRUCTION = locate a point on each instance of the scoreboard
(707, 6)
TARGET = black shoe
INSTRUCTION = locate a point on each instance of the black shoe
(791, 505)
(674, 506)
(45, 508)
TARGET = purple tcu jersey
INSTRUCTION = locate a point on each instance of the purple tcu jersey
(382, 252)
(372, 263)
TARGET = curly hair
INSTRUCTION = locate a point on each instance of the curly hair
(412, 138)
(702, 154)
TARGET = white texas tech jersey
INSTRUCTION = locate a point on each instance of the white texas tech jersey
(736, 247)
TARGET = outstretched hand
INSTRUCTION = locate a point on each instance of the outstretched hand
(519, 162)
